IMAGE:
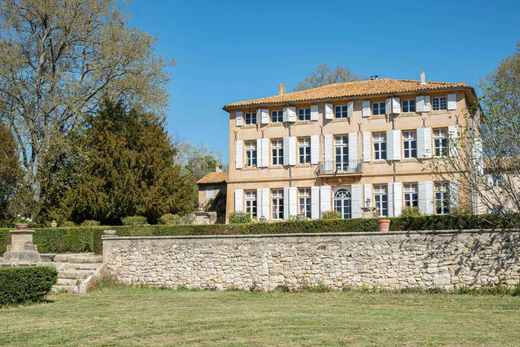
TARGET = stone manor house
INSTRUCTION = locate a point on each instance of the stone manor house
(345, 146)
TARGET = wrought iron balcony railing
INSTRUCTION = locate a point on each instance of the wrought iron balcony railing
(340, 168)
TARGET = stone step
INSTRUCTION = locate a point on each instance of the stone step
(74, 274)
(68, 282)
(65, 289)
(78, 258)
(78, 266)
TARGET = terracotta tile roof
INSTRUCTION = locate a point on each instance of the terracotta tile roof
(213, 178)
(350, 89)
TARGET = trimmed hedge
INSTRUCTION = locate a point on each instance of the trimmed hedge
(24, 284)
(88, 239)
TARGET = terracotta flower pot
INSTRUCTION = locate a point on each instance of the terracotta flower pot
(21, 226)
(383, 224)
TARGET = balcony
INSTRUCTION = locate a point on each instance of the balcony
(331, 168)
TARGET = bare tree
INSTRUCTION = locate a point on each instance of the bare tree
(324, 75)
(57, 59)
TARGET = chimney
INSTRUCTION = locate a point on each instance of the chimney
(423, 77)
(218, 168)
(281, 88)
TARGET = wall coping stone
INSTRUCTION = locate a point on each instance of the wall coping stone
(346, 234)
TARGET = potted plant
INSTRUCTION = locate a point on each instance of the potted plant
(21, 223)
(383, 222)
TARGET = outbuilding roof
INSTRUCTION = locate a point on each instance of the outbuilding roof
(214, 178)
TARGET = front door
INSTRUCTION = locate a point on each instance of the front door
(343, 203)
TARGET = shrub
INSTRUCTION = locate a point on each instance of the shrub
(331, 215)
(90, 223)
(19, 285)
(411, 212)
(134, 220)
(239, 218)
(169, 219)
(67, 223)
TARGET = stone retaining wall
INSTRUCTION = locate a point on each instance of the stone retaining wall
(445, 259)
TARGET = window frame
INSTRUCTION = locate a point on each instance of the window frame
(277, 116)
(342, 110)
(250, 118)
(407, 106)
(304, 114)
(276, 152)
(439, 103)
(411, 142)
(251, 154)
(442, 198)
(304, 202)
(381, 199)
(251, 203)
(381, 106)
(277, 208)
(344, 147)
(379, 146)
(440, 142)
(305, 157)
(410, 195)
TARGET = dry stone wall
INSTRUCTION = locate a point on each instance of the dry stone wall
(443, 259)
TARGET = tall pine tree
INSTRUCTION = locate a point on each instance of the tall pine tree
(10, 174)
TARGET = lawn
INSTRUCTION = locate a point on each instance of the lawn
(148, 317)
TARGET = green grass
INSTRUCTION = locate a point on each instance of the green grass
(148, 317)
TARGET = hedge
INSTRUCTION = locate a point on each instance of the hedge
(88, 239)
(24, 284)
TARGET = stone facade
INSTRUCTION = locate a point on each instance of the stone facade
(444, 259)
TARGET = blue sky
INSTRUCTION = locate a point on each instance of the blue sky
(235, 50)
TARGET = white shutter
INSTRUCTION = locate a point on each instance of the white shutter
(314, 112)
(366, 109)
(259, 153)
(289, 150)
(453, 140)
(419, 103)
(350, 109)
(454, 194)
(263, 202)
(263, 115)
(293, 201)
(239, 200)
(289, 114)
(352, 149)
(424, 143)
(239, 119)
(367, 155)
(426, 103)
(329, 112)
(315, 202)
(327, 156)
(452, 101)
(325, 198)
(356, 201)
(395, 199)
(259, 203)
(388, 106)
(367, 195)
(286, 203)
(263, 150)
(393, 144)
(315, 149)
(425, 196)
(396, 105)
(239, 154)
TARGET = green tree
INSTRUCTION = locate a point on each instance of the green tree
(127, 168)
(197, 160)
(10, 173)
(58, 58)
(324, 75)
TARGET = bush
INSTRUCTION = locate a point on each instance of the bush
(331, 215)
(134, 220)
(90, 223)
(169, 219)
(67, 223)
(411, 212)
(20, 285)
(239, 218)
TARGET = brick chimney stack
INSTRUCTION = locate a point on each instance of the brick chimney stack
(281, 89)
(423, 77)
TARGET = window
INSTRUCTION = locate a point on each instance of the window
(442, 199)
(439, 103)
(305, 202)
(342, 203)
(277, 116)
(277, 149)
(378, 108)
(250, 118)
(304, 150)
(304, 114)
(496, 180)
(251, 154)
(410, 195)
(210, 192)
(341, 148)
(379, 146)
(277, 199)
(410, 144)
(341, 111)
(381, 199)
(440, 142)
(408, 106)
(251, 206)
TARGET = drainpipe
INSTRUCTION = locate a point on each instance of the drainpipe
(394, 166)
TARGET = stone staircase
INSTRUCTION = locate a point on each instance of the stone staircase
(76, 271)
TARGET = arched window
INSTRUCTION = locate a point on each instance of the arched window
(343, 203)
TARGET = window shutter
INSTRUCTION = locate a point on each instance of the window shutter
(259, 203)
(239, 200)
(329, 112)
(263, 115)
(396, 105)
(315, 149)
(453, 140)
(259, 153)
(327, 157)
(419, 103)
(452, 101)
(239, 119)
(292, 150)
(356, 201)
(454, 194)
(425, 196)
(263, 150)
(366, 109)
(426, 103)
(314, 112)
(315, 203)
(286, 203)
(289, 114)
(293, 201)
(395, 199)
(367, 155)
(388, 106)
(265, 203)
(352, 149)
(424, 143)
(367, 195)
(239, 154)
(350, 109)
(325, 198)
(393, 144)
